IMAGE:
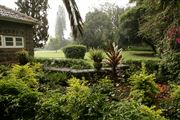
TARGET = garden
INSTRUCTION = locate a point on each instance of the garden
(145, 89)
(123, 64)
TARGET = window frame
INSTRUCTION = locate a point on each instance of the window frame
(22, 42)
(1, 46)
(3, 40)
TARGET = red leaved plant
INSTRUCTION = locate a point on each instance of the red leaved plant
(114, 57)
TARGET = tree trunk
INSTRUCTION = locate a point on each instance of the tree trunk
(148, 42)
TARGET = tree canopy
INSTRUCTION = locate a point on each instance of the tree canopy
(38, 10)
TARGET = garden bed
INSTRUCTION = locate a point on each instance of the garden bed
(87, 73)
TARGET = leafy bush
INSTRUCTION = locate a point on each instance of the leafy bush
(75, 51)
(17, 100)
(144, 87)
(52, 108)
(54, 78)
(23, 57)
(4, 70)
(130, 110)
(152, 66)
(66, 63)
(171, 108)
(24, 73)
(28, 105)
(104, 86)
(169, 69)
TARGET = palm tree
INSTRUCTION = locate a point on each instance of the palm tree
(74, 16)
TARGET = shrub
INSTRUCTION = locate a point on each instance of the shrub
(144, 87)
(169, 69)
(152, 66)
(172, 107)
(54, 79)
(23, 57)
(75, 51)
(130, 110)
(83, 102)
(4, 70)
(66, 63)
(52, 108)
(17, 100)
(104, 86)
(28, 105)
(24, 73)
(9, 91)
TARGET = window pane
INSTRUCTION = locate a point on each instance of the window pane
(19, 42)
(9, 41)
(0, 41)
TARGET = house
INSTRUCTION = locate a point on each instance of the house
(16, 33)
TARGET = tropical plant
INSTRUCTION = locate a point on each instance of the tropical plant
(144, 87)
(74, 16)
(97, 56)
(114, 57)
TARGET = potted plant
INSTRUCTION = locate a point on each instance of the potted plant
(97, 56)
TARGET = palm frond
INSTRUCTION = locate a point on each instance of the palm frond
(74, 17)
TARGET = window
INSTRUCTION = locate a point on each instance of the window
(11, 42)
(0, 41)
(19, 41)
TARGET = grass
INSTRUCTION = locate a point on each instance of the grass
(49, 54)
(127, 55)
(139, 55)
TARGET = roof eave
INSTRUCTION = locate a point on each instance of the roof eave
(33, 22)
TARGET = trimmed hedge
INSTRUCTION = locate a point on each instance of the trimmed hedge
(151, 65)
(75, 51)
(65, 63)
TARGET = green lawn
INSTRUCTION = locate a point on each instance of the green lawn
(127, 55)
(139, 55)
(49, 54)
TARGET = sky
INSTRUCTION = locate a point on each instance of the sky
(84, 6)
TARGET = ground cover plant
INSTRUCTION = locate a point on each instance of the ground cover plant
(53, 95)
(79, 100)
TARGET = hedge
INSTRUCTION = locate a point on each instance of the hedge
(75, 51)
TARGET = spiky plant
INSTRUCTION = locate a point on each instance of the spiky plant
(114, 57)
(96, 55)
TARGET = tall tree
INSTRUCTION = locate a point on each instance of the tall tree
(53, 44)
(129, 27)
(101, 26)
(97, 29)
(38, 10)
(161, 23)
(60, 23)
(114, 12)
